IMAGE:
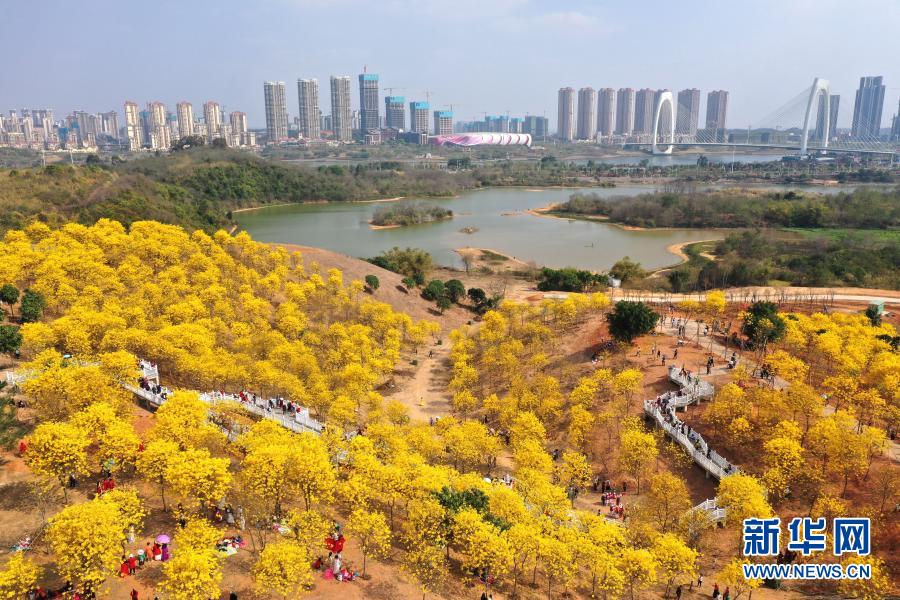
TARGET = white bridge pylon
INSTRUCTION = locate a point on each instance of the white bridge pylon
(665, 97)
(819, 86)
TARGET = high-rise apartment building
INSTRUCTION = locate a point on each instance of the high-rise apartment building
(159, 127)
(341, 115)
(587, 114)
(418, 117)
(368, 101)
(644, 103)
(565, 120)
(134, 132)
(240, 130)
(606, 111)
(537, 127)
(308, 96)
(212, 115)
(687, 119)
(184, 112)
(238, 122)
(625, 111)
(443, 122)
(395, 112)
(276, 111)
(867, 110)
(834, 103)
(895, 127)
(716, 112)
(110, 124)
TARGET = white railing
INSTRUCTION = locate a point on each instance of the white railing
(16, 377)
(695, 445)
(299, 421)
(691, 384)
(712, 508)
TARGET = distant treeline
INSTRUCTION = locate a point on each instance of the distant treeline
(863, 208)
(409, 213)
(763, 256)
(199, 187)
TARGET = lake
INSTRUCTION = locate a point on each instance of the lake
(497, 213)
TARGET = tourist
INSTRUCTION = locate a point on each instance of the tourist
(678, 593)
(715, 592)
(164, 555)
(134, 594)
(232, 596)
(123, 568)
(727, 594)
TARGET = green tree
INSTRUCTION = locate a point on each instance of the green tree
(627, 270)
(762, 323)
(372, 282)
(630, 319)
(10, 339)
(188, 141)
(434, 290)
(872, 312)
(9, 294)
(455, 290)
(33, 304)
(477, 296)
(443, 303)
(679, 279)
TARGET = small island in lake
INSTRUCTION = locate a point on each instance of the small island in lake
(408, 213)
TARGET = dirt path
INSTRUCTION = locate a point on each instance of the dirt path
(424, 389)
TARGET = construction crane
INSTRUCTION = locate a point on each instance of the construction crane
(427, 96)
(390, 90)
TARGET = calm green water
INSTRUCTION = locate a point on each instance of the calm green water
(502, 226)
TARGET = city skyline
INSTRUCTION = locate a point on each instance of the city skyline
(260, 45)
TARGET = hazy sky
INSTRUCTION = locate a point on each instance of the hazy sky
(481, 56)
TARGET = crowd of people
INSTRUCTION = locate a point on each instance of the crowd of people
(663, 406)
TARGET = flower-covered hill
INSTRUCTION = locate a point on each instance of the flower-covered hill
(216, 312)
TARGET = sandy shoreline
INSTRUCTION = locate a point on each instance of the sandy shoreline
(511, 263)
(678, 249)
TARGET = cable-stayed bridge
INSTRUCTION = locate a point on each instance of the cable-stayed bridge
(803, 124)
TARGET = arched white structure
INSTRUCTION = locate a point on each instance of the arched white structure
(664, 97)
(819, 86)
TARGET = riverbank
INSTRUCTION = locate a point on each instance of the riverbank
(480, 259)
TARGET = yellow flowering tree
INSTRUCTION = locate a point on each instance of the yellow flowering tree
(198, 478)
(153, 463)
(87, 541)
(673, 559)
(732, 575)
(370, 528)
(57, 450)
(191, 575)
(19, 577)
(638, 453)
(427, 564)
(638, 569)
(283, 567)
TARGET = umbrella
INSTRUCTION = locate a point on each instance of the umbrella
(163, 539)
